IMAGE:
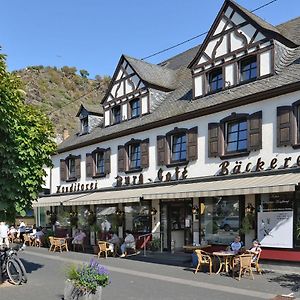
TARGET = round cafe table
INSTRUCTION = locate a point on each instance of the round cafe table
(224, 258)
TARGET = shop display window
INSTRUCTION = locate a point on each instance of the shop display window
(138, 218)
(220, 221)
(63, 215)
(107, 219)
(82, 213)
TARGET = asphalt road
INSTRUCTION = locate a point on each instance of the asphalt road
(139, 280)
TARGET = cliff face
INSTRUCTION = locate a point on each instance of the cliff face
(59, 93)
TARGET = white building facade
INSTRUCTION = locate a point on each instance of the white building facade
(199, 148)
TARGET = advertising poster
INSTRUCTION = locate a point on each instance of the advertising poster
(275, 229)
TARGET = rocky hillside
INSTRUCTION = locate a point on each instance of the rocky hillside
(59, 93)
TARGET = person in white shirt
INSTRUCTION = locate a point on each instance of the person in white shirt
(78, 237)
(22, 231)
(12, 233)
(4, 234)
(39, 235)
(129, 242)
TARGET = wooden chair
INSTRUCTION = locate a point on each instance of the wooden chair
(58, 243)
(103, 247)
(203, 259)
(27, 239)
(242, 264)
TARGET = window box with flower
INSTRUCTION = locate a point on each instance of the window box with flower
(86, 282)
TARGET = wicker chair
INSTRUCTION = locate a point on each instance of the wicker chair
(103, 248)
(58, 243)
(203, 259)
(242, 264)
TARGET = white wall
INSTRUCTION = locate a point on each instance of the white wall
(204, 166)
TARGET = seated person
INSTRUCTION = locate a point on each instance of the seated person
(78, 237)
(129, 242)
(237, 245)
(255, 250)
(39, 235)
(12, 234)
(113, 241)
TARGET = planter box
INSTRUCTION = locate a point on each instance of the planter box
(72, 293)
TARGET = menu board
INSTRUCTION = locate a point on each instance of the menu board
(275, 229)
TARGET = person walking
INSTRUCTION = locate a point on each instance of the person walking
(22, 231)
(4, 234)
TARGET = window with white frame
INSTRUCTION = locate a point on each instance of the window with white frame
(236, 135)
(84, 125)
(134, 156)
(71, 168)
(99, 163)
(248, 69)
(178, 148)
(215, 80)
(116, 114)
(135, 108)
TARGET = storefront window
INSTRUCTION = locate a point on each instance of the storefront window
(63, 214)
(138, 218)
(82, 212)
(220, 221)
(107, 220)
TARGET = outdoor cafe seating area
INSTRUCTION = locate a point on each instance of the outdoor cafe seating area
(232, 263)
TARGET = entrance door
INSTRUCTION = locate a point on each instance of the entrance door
(176, 224)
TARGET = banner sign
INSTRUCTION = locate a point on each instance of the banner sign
(275, 229)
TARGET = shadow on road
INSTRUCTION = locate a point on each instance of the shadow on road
(290, 281)
(31, 266)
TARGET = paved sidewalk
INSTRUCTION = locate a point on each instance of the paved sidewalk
(145, 280)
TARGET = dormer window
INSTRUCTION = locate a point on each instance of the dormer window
(135, 108)
(248, 69)
(116, 115)
(84, 125)
(215, 80)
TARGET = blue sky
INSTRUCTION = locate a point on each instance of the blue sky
(92, 34)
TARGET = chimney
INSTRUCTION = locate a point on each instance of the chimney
(65, 134)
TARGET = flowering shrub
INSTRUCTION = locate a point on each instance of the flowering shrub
(89, 276)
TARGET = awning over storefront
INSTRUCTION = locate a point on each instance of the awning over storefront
(227, 187)
(55, 200)
(110, 197)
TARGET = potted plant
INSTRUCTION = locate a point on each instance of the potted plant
(73, 218)
(154, 245)
(86, 282)
(53, 218)
(91, 218)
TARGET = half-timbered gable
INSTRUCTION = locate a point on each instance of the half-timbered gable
(238, 48)
(134, 89)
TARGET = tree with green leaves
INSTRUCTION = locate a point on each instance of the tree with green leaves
(27, 141)
(84, 73)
